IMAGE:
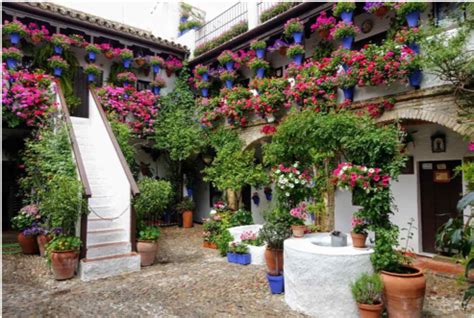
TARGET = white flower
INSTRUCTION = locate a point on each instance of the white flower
(297, 181)
(291, 185)
(291, 175)
(364, 169)
(371, 170)
(287, 194)
(344, 168)
(254, 92)
(213, 212)
(292, 81)
(298, 172)
(277, 171)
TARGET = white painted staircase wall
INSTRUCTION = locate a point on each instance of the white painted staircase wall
(108, 244)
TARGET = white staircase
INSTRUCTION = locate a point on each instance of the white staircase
(108, 227)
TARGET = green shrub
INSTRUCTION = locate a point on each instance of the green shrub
(64, 243)
(186, 205)
(367, 289)
(238, 248)
(154, 197)
(222, 241)
(149, 233)
(123, 134)
(276, 10)
(276, 229)
(241, 217)
(341, 7)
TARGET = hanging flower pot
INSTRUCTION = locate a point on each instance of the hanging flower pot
(415, 78)
(346, 16)
(15, 38)
(109, 54)
(229, 65)
(11, 63)
(127, 62)
(205, 77)
(256, 198)
(298, 37)
(268, 193)
(413, 18)
(204, 92)
(276, 283)
(91, 77)
(260, 53)
(298, 59)
(229, 84)
(348, 92)
(347, 42)
(57, 71)
(414, 47)
(92, 56)
(58, 50)
(261, 72)
(381, 11)
(156, 90)
(156, 69)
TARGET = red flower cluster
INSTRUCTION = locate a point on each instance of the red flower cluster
(349, 176)
(268, 130)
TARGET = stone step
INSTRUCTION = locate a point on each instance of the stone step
(102, 267)
(108, 249)
(102, 236)
(95, 223)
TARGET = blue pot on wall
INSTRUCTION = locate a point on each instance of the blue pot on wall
(276, 283)
(244, 259)
(127, 62)
(189, 191)
(415, 78)
(57, 71)
(347, 42)
(348, 93)
(298, 37)
(268, 196)
(256, 199)
(229, 84)
(156, 90)
(204, 92)
(92, 56)
(414, 47)
(413, 18)
(156, 69)
(205, 77)
(298, 59)
(260, 72)
(58, 50)
(260, 53)
(11, 63)
(91, 77)
(15, 38)
(229, 65)
(346, 16)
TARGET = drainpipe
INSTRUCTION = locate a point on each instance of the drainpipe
(252, 14)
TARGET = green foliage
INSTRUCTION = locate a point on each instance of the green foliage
(277, 9)
(367, 289)
(154, 197)
(123, 134)
(222, 240)
(241, 217)
(22, 221)
(255, 64)
(239, 248)
(292, 26)
(234, 31)
(343, 6)
(408, 7)
(385, 257)
(63, 203)
(149, 233)
(453, 238)
(188, 25)
(225, 137)
(467, 169)
(186, 205)
(63, 243)
(294, 50)
(274, 233)
(258, 45)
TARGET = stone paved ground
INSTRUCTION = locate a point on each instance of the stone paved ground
(187, 281)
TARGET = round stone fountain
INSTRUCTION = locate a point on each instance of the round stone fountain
(318, 276)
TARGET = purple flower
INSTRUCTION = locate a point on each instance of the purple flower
(277, 45)
(372, 6)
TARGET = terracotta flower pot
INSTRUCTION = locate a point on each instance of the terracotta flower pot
(404, 293)
(370, 311)
(205, 244)
(147, 251)
(212, 245)
(28, 244)
(187, 219)
(42, 241)
(274, 260)
(64, 264)
(358, 240)
(298, 230)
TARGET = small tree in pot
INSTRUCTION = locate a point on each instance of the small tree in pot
(147, 244)
(367, 292)
(185, 208)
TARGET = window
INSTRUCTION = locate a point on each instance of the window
(142, 85)
(446, 13)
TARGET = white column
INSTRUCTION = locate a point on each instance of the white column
(252, 12)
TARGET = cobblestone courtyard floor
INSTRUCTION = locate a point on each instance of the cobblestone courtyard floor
(187, 281)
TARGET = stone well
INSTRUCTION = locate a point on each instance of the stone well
(318, 276)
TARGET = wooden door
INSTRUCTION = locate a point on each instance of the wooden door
(440, 191)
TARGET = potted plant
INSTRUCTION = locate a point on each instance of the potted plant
(60, 43)
(228, 78)
(203, 71)
(347, 82)
(173, 65)
(15, 30)
(344, 10)
(63, 254)
(379, 8)
(92, 51)
(211, 228)
(410, 37)
(12, 55)
(345, 31)
(295, 52)
(92, 71)
(323, 25)
(367, 292)
(259, 48)
(58, 64)
(26, 219)
(38, 35)
(256, 198)
(239, 253)
(259, 66)
(185, 208)
(299, 214)
(126, 78)
(294, 28)
(107, 50)
(412, 64)
(359, 232)
(45, 237)
(227, 59)
(147, 244)
(126, 56)
(411, 11)
(157, 84)
(204, 87)
(156, 63)
(268, 193)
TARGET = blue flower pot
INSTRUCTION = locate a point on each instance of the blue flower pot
(156, 69)
(277, 284)
(348, 93)
(232, 257)
(414, 47)
(229, 84)
(298, 59)
(156, 90)
(345, 67)
(92, 56)
(244, 259)
(298, 37)
(347, 16)
(91, 77)
(183, 19)
(11, 63)
(347, 42)
(57, 71)
(127, 62)
(58, 50)
(204, 92)
(189, 191)
(413, 18)
(260, 53)
(256, 200)
(268, 196)
(415, 78)
(125, 83)
(229, 66)
(15, 38)
(260, 72)
(205, 77)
